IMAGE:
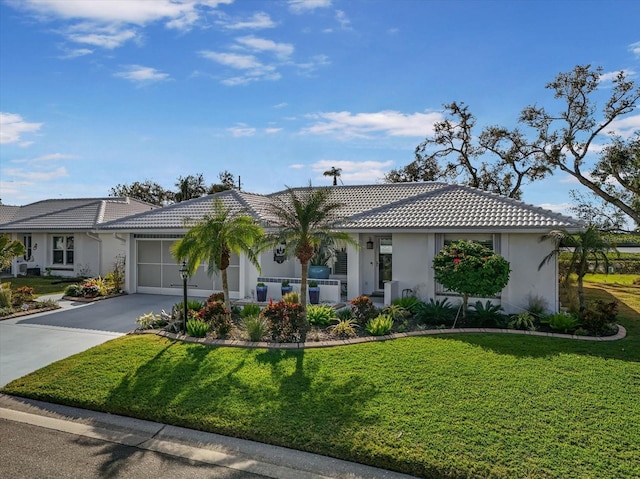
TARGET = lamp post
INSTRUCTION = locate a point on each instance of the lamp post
(184, 274)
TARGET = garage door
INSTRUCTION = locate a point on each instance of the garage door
(158, 272)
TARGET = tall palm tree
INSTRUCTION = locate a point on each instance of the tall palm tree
(214, 238)
(584, 246)
(9, 250)
(305, 221)
(335, 172)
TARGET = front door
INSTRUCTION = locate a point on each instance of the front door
(385, 253)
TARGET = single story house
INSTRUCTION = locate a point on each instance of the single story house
(62, 236)
(398, 227)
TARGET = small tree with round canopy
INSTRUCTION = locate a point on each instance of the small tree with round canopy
(471, 269)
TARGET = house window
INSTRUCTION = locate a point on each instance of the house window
(26, 241)
(63, 250)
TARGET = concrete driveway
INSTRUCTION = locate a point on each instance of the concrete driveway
(32, 342)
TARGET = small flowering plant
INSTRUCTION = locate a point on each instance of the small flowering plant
(471, 269)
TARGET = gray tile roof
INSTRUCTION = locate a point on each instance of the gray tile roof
(404, 206)
(72, 214)
(459, 207)
(175, 215)
(7, 213)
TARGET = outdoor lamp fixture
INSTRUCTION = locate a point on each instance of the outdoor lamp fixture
(184, 274)
(369, 244)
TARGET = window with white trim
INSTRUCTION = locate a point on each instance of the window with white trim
(26, 241)
(63, 249)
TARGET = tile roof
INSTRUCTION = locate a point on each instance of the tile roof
(459, 207)
(174, 216)
(72, 214)
(409, 206)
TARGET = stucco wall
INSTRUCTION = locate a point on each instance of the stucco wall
(524, 253)
(411, 262)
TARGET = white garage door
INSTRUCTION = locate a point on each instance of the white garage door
(158, 273)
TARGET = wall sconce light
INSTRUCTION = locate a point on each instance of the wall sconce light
(369, 244)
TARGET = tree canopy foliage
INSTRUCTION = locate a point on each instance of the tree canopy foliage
(188, 187)
(10, 249)
(471, 269)
(503, 161)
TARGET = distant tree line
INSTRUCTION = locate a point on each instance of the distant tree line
(504, 160)
(188, 187)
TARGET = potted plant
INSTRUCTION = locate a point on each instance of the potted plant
(261, 292)
(314, 292)
(318, 266)
(285, 287)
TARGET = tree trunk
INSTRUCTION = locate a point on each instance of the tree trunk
(581, 300)
(465, 301)
(304, 326)
(225, 289)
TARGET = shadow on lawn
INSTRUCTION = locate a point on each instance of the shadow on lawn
(627, 349)
(274, 397)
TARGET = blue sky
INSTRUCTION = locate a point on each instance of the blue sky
(94, 93)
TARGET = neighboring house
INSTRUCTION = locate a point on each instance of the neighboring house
(399, 227)
(62, 238)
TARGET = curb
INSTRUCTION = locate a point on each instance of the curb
(237, 454)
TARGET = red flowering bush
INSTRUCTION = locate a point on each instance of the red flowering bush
(471, 269)
(285, 320)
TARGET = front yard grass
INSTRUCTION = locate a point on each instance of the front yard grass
(41, 284)
(464, 406)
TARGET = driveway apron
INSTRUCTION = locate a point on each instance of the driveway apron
(32, 342)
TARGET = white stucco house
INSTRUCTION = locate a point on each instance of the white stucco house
(399, 228)
(62, 236)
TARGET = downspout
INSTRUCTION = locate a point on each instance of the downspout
(95, 237)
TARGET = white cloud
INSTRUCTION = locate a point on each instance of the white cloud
(108, 23)
(272, 131)
(301, 6)
(13, 126)
(610, 76)
(281, 105)
(281, 50)
(258, 21)
(254, 70)
(38, 175)
(241, 130)
(313, 64)
(75, 53)
(635, 48)
(52, 157)
(141, 75)
(625, 127)
(343, 20)
(353, 171)
(297, 166)
(345, 124)
(563, 208)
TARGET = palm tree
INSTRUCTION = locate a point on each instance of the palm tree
(9, 250)
(214, 238)
(335, 172)
(305, 221)
(584, 246)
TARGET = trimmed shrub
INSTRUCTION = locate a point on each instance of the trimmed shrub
(22, 295)
(285, 320)
(73, 290)
(215, 297)
(599, 317)
(363, 309)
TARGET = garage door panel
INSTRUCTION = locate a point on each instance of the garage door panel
(149, 275)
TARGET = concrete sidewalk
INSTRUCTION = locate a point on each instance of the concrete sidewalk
(238, 454)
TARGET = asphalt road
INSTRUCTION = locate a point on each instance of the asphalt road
(32, 452)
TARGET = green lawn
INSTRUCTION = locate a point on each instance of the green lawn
(41, 284)
(464, 406)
